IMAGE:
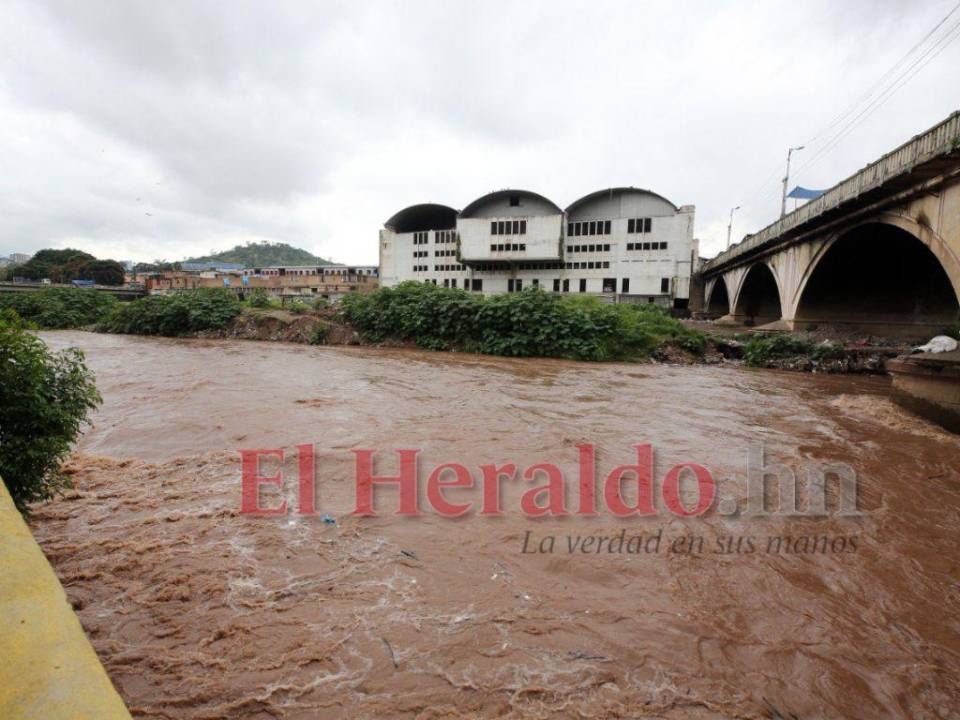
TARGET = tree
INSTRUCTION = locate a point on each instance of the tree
(53, 264)
(44, 401)
(105, 272)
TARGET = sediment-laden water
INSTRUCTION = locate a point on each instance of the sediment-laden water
(199, 611)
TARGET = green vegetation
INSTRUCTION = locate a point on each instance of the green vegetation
(532, 323)
(260, 298)
(44, 401)
(64, 266)
(762, 349)
(298, 307)
(320, 334)
(156, 266)
(59, 307)
(263, 254)
(177, 314)
(321, 303)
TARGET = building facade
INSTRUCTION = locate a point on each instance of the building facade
(285, 282)
(628, 244)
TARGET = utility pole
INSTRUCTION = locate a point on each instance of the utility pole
(730, 226)
(786, 180)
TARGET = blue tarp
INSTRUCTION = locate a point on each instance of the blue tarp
(802, 193)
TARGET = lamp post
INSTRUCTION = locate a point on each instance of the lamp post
(730, 225)
(786, 180)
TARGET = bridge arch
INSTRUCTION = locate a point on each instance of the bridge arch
(757, 301)
(717, 302)
(889, 272)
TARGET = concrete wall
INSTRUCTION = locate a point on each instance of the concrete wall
(48, 670)
(541, 239)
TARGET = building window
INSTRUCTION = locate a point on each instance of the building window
(569, 229)
(556, 284)
(514, 201)
(664, 285)
(663, 246)
(625, 285)
(493, 227)
(609, 285)
(583, 284)
(606, 227)
(647, 224)
(477, 284)
(566, 285)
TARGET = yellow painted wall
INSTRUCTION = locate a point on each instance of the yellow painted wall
(48, 669)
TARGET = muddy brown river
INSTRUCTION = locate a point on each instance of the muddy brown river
(200, 611)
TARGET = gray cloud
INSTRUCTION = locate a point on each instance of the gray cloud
(143, 129)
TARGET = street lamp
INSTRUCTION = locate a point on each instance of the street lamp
(730, 226)
(786, 179)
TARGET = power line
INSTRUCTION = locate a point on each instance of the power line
(911, 71)
(839, 118)
(897, 81)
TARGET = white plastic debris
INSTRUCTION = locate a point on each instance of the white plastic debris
(939, 344)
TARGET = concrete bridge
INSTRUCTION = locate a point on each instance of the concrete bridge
(880, 251)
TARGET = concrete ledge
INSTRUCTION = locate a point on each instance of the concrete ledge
(48, 669)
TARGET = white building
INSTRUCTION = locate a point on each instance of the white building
(629, 244)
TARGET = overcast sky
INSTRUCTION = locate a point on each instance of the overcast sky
(142, 130)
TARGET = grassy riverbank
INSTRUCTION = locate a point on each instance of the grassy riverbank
(532, 323)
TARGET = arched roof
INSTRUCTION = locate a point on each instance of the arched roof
(490, 197)
(426, 216)
(610, 192)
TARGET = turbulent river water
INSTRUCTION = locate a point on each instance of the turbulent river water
(200, 611)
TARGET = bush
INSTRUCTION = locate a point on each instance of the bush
(760, 350)
(60, 307)
(181, 313)
(259, 298)
(531, 323)
(44, 401)
(320, 334)
(321, 303)
(298, 308)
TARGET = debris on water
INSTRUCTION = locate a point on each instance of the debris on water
(329, 520)
(580, 655)
(393, 657)
(776, 714)
(938, 344)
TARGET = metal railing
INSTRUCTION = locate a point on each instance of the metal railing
(938, 140)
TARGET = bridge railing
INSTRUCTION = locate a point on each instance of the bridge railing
(938, 140)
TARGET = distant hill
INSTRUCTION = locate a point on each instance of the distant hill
(263, 254)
